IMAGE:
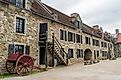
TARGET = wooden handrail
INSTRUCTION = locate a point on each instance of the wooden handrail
(58, 43)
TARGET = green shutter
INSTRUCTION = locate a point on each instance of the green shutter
(10, 49)
(27, 50)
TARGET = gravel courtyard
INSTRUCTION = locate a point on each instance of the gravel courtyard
(105, 70)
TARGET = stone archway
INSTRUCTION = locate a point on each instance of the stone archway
(87, 54)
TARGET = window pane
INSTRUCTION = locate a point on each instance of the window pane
(61, 34)
(20, 3)
(70, 53)
(20, 25)
(19, 48)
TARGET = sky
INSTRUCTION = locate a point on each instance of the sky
(105, 13)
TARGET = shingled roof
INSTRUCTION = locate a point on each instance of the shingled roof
(63, 18)
(47, 12)
(39, 9)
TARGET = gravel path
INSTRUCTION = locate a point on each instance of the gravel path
(105, 70)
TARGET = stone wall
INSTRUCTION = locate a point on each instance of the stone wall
(55, 28)
(8, 14)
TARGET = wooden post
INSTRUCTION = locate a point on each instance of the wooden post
(46, 51)
(53, 55)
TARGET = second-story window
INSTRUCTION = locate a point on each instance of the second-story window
(81, 39)
(87, 40)
(104, 44)
(78, 40)
(19, 3)
(20, 25)
(70, 36)
(96, 42)
(63, 35)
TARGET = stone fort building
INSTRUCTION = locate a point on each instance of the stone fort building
(50, 36)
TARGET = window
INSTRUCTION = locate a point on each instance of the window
(101, 44)
(78, 38)
(79, 53)
(13, 48)
(63, 35)
(70, 53)
(81, 39)
(104, 53)
(87, 40)
(97, 53)
(104, 44)
(74, 37)
(19, 3)
(77, 24)
(70, 36)
(95, 42)
(19, 48)
(20, 25)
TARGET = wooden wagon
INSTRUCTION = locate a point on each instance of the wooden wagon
(19, 63)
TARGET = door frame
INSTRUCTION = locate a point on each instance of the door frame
(38, 39)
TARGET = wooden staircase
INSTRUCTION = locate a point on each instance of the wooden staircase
(55, 48)
(58, 51)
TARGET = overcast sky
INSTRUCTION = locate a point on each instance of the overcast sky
(105, 13)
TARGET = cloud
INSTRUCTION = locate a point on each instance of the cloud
(106, 13)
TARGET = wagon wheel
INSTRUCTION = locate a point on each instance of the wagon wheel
(10, 66)
(24, 65)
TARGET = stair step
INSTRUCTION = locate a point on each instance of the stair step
(41, 41)
(44, 34)
(44, 38)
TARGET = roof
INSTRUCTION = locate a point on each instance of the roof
(38, 8)
(89, 30)
(118, 38)
(46, 11)
(63, 18)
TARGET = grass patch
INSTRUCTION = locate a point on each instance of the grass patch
(7, 75)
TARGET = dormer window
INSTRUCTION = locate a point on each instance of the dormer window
(76, 20)
(19, 3)
(77, 23)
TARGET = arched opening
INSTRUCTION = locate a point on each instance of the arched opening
(87, 54)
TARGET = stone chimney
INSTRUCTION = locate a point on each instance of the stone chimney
(96, 27)
(117, 31)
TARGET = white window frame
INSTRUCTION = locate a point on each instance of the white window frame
(25, 25)
(17, 43)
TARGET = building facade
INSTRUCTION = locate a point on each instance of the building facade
(48, 35)
(117, 46)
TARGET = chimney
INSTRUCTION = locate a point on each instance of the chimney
(96, 27)
(117, 31)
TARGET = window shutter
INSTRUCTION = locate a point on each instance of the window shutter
(65, 36)
(13, 1)
(74, 37)
(27, 50)
(10, 49)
